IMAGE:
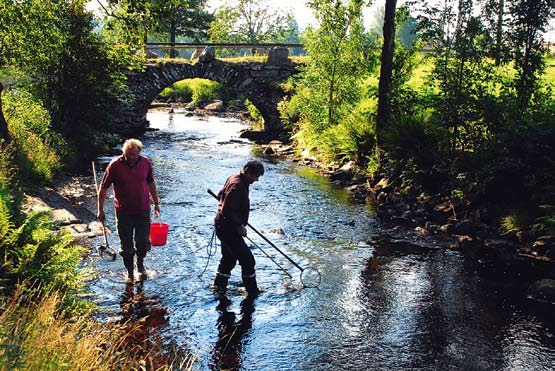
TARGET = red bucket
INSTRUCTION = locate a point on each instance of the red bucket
(158, 234)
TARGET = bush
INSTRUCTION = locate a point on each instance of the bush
(181, 91)
(196, 90)
(35, 255)
(38, 150)
(255, 114)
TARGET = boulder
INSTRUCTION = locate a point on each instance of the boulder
(268, 151)
(542, 290)
(216, 106)
(278, 55)
(465, 227)
(208, 55)
(197, 53)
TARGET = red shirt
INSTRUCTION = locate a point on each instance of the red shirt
(131, 191)
(234, 201)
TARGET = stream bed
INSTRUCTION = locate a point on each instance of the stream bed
(375, 309)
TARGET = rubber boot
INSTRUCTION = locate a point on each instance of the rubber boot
(220, 282)
(128, 262)
(250, 285)
(141, 267)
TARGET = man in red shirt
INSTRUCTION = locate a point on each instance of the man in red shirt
(230, 224)
(133, 180)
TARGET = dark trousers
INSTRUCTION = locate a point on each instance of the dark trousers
(234, 249)
(134, 233)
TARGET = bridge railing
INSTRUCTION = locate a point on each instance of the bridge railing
(188, 50)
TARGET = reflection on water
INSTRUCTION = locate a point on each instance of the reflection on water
(376, 308)
(232, 332)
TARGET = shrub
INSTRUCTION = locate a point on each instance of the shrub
(180, 91)
(255, 114)
(35, 255)
(204, 90)
(38, 150)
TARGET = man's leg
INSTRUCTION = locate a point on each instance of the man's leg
(124, 226)
(228, 259)
(246, 260)
(142, 239)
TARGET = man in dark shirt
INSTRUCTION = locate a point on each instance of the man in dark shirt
(133, 180)
(231, 226)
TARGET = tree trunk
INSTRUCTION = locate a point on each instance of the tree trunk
(499, 34)
(3, 123)
(386, 71)
(173, 52)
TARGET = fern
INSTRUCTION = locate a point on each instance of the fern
(36, 254)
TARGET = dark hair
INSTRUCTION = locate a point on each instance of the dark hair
(254, 167)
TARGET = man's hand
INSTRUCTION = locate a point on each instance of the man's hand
(242, 230)
(156, 210)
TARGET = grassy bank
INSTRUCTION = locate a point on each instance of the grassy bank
(34, 336)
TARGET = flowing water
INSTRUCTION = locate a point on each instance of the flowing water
(375, 309)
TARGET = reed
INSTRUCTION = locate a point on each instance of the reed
(36, 337)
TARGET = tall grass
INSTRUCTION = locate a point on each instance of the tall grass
(38, 150)
(34, 337)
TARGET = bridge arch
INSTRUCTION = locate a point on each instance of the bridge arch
(258, 81)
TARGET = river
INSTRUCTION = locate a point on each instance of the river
(375, 308)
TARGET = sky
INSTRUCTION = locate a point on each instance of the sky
(304, 17)
(300, 11)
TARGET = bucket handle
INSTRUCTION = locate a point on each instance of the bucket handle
(154, 216)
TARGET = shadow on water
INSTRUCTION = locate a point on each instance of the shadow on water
(141, 321)
(232, 332)
(377, 307)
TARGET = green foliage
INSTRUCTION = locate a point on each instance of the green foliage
(323, 112)
(53, 52)
(30, 36)
(181, 91)
(514, 222)
(528, 22)
(204, 90)
(185, 18)
(250, 21)
(197, 91)
(255, 114)
(34, 255)
(38, 150)
(546, 221)
(330, 82)
(351, 139)
(35, 336)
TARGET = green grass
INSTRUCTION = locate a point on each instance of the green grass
(34, 336)
(196, 90)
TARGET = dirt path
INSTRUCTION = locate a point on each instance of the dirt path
(72, 201)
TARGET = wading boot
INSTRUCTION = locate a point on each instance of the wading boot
(128, 262)
(141, 267)
(220, 282)
(251, 286)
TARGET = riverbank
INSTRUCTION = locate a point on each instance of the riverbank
(428, 222)
(72, 201)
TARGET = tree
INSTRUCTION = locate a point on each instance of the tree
(186, 18)
(249, 21)
(528, 22)
(3, 123)
(336, 61)
(386, 71)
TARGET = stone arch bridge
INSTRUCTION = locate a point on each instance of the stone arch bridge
(258, 81)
